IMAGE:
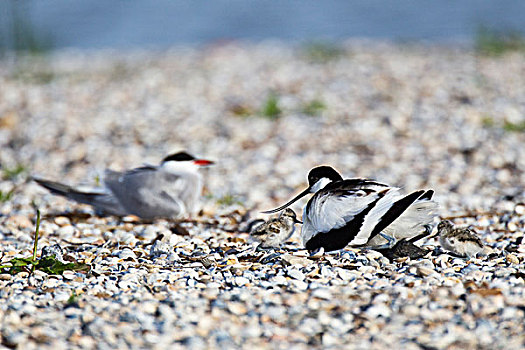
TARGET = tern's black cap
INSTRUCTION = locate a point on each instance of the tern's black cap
(178, 157)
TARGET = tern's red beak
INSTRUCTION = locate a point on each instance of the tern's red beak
(202, 162)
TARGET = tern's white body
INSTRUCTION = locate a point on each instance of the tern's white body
(171, 189)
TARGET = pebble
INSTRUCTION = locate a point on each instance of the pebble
(424, 271)
(241, 281)
(512, 259)
(127, 254)
(296, 274)
(322, 293)
(279, 280)
(5, 277)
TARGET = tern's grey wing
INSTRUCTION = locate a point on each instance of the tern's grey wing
(149, 192)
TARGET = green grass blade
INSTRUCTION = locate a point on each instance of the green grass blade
(35, 246)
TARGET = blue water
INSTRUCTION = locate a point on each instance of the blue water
(164, 23)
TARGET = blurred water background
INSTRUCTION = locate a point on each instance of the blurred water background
(36, 26)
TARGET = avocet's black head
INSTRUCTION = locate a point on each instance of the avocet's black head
(186, 157)
(323, 172)
(318, 178)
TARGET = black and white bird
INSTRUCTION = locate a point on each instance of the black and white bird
(459, 240)
(360, 212)
(276, 231)
(170, 190)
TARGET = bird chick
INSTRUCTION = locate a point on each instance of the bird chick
(274, 232)
(459, 240)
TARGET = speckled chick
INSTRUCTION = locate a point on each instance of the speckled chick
(459, 240)
(276, 231)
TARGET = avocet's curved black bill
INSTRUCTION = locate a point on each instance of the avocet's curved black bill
(299, 196)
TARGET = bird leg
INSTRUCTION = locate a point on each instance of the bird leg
(391, 241)
(426, 232)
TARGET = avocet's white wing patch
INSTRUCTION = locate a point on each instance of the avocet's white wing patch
(329, 210)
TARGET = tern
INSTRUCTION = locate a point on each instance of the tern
(459, 240)
(360, 212)
(276, 231)
(170, 190)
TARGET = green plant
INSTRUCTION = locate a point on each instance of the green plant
(48, 264)
(271, 107)
(12, 173)
(228, 200)
(73, 298)
(322, 51)
(487, 121)
(314, 107)
(6, 196)
(495, 43)
(514, 127)
(98, 181)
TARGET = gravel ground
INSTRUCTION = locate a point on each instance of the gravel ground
(411, 116)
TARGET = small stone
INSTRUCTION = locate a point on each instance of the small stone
(378, 310)
(424, 271)
(125, 254)
(520, 209)
(62, 221)
(237, 308)
(241, 281)
(296, 274)
(512, 259)
(279, 280)
(19, 221)
(299, 285)
(66, 231)
(322, 293)
(329, 340)
(296, 260)
(5, 277)
(68, 275)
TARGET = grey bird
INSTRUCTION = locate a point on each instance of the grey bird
(276, 231)
(459, 240)
(170, 190)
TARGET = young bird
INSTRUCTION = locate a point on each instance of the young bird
(458, 240)
(276, 231)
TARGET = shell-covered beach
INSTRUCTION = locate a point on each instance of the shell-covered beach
(413, 116)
